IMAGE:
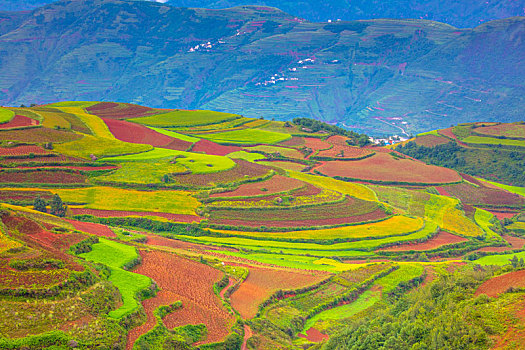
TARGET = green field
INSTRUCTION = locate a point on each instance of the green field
(502, 259)
(149, 171)
(405, 273)
(483, 219)
(336, 249)
(183, 118)
(513, 189)
(175, 135)
(115, 255)
(493, 141)
(197, 163)
(246, 156)
(6, 115)
(247, 137)
(363, 302)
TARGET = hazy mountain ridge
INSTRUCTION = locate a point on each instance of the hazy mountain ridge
(376, 76)
(463, 14)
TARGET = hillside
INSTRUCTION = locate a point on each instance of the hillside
(377, 76)
(128, 227)
(494, 151)
(464, 14)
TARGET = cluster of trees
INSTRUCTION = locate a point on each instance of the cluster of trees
(57, 207)
(442, 315)
(316, 125)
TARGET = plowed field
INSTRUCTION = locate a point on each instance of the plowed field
(442, 238)
(500, 284)
(384, 167)
(263, 282)
(190, 282)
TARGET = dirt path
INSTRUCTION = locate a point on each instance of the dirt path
(231, 282)
(247, 335)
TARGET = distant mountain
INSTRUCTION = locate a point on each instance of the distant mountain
(461, 14)
(378, 76)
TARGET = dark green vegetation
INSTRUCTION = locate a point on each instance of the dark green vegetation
(500, 158)
(261, 62)
(124, 226)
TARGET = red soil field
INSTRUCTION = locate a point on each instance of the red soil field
(293, 142)
(213, 148)
(19, 121)
(21, 151)
(471, 179)
(28, 196)
(94, 229)
(38, 135)
(243, 170)
(441, 239)
(123, 213)
(431, 140)
(501, 215)
(316, 144)
(275, 184)
(263, 282)
(191, 283)
(442, 191)
(448, 133)
(484, 196)
(340, 145)
(44, 159)
(375, 215)
(384, 167)
(50, 177)
(308, 190)
(70, 167)
(500, 284)
(314, 335)
(119, 110)
(136, 133)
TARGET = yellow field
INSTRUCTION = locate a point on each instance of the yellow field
(94, 123)
(109, 198)
(52, 120)
(100, 145)
(444, 212)
(396, 225)
(349, 188)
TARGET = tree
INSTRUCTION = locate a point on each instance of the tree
(40, 205)
(58, 208)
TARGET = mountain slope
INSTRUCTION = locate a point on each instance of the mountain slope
(380, 76)
(462, 14)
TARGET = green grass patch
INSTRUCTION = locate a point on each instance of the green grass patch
(183, 118)
(501, 259)
(197, 163)
(250, 157)
(175, 135)
(115, 255)
(150, 171)
(99, 147)
(6, 115)
(405, 273)
(512, 189)
(484, 219)
(363, 302)
(247, 137)
(493, 141)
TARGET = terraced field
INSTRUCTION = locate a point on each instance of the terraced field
(211, 230)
